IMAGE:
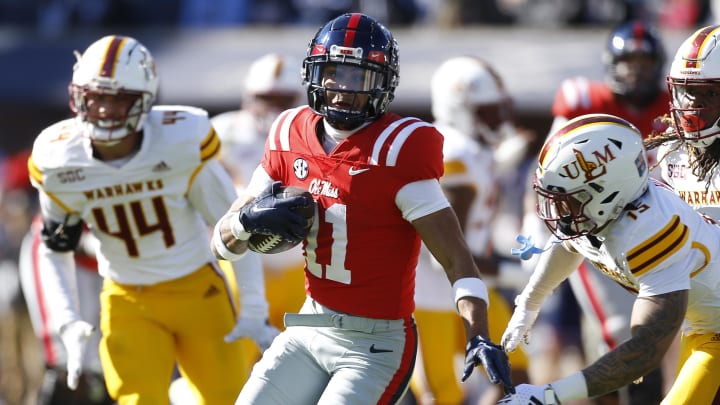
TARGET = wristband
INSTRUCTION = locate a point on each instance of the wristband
(571, 387)
(470, 287)
(220, 246)
(236, 227)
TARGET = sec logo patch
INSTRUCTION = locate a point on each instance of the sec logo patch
(300, 167)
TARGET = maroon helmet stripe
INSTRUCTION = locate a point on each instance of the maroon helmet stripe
(594, 119)
(692, 55)
(351, 29)
(107, 68)
(638, 30)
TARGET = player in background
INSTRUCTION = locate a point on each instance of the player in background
(473, 112)
(271, 86)
(689, 151)
(634, 59)
(595, 195)
(91, 384)
(374, 176)
(146, 182)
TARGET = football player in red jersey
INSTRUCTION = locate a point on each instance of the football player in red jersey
(374, 176)
(633, 89)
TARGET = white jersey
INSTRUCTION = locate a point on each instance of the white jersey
(151, 215)
(466, 163)
(661, 246)
(676, 171)
(243, 144)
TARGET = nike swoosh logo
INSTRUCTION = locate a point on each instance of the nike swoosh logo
(353, 171)
(374, 350)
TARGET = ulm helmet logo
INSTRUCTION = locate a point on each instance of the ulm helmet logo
(591, 169)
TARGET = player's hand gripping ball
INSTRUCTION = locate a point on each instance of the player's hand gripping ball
(285, 198)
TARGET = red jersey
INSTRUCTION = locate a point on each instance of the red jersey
(578, 96)
(361, 253)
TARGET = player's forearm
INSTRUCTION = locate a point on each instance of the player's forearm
(656, 322)
(618, 368)
(487, 265)
(225, 244)
(471, 295)
(473, 312)
(58, 283)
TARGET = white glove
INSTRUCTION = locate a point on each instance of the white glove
(257, 329)
(518, 329)
(75, 336)
(526, 394)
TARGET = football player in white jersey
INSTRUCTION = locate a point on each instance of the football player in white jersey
(146, 182)
(472, 110)
(595, 196)
(632, 89)
(271, 86)
(689, 152)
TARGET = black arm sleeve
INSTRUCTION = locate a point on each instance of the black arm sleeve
(61, 237)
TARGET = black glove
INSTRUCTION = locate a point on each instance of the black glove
(482, 351)
(269, 215)
(61, 237)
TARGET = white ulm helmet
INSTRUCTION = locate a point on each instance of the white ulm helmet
(272, 85)
(462, 85)
(114, 65)
(273, 74)
(588, 171)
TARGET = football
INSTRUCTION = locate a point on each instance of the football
(269, 244)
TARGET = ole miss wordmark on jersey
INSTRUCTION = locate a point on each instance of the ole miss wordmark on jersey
(360, 247)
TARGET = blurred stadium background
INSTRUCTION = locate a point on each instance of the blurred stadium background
(203, 63)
